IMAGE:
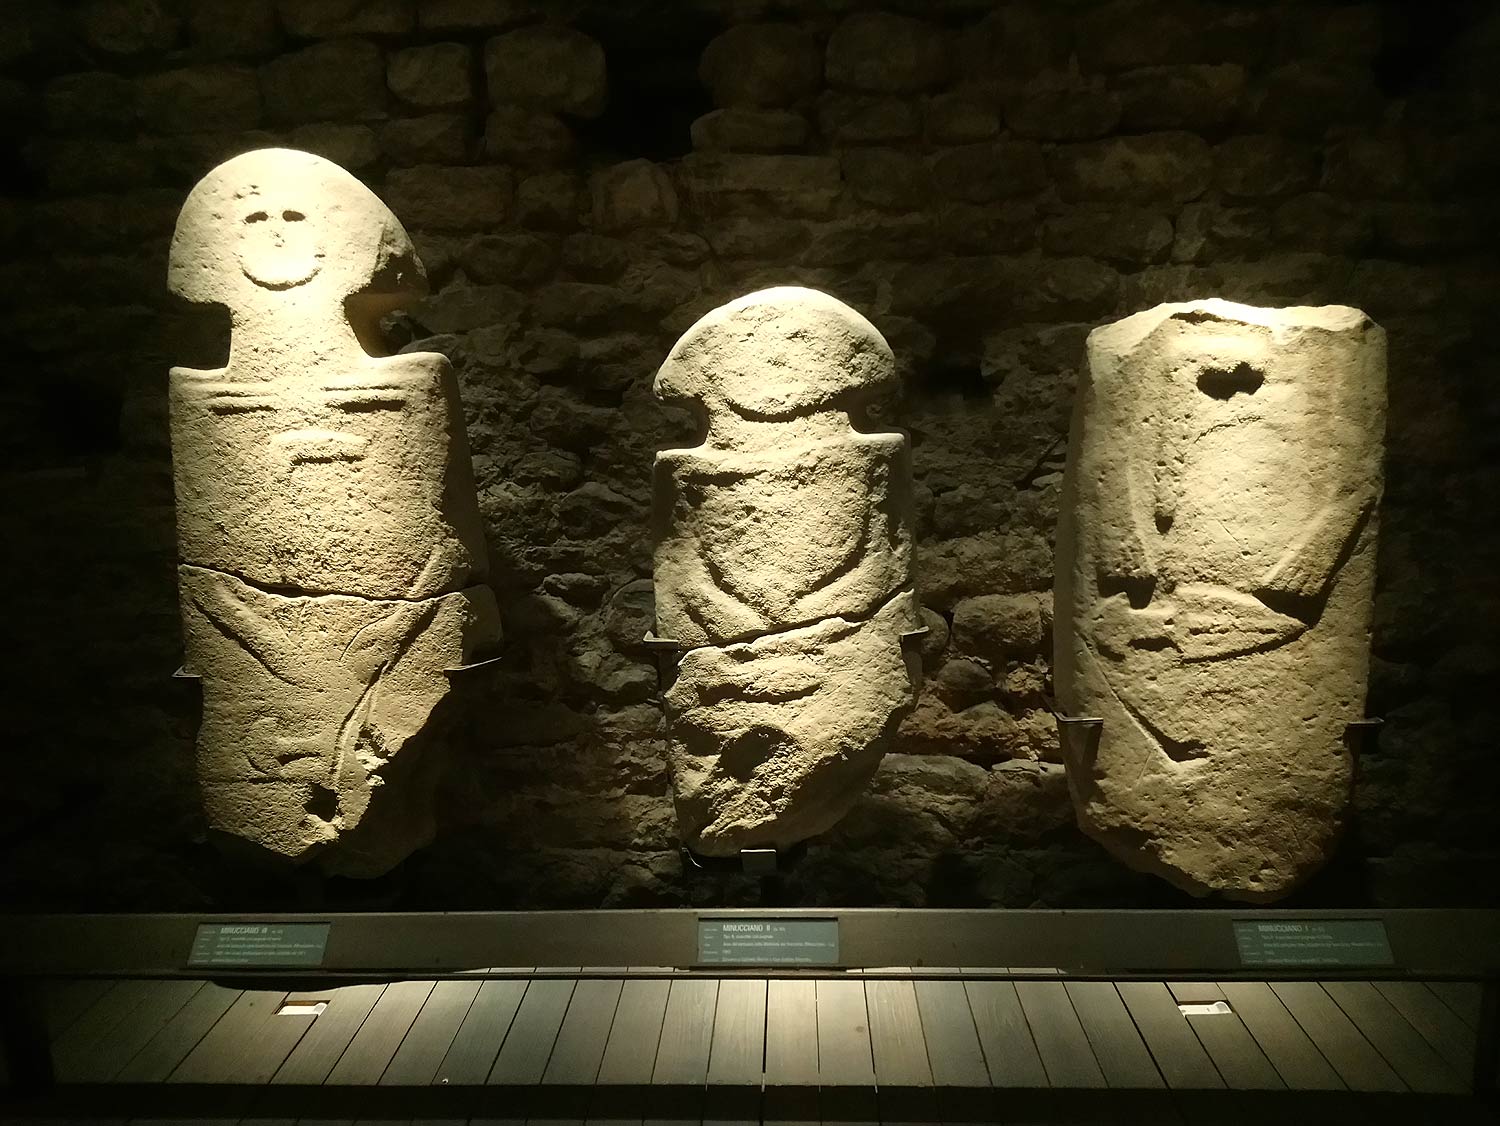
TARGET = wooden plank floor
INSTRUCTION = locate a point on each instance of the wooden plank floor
(688, 1048)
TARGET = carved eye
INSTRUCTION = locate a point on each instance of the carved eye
(256, 217)
(1225, 383)
(293, 216)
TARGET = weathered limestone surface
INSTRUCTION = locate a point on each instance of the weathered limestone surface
(330, 545)
(783, 569)
(1215, 568)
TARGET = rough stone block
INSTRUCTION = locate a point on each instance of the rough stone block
(1261, 166)
(325, 19)
(960, 118)
(349, 146)
(862, 119)
(1127, 235)
(888, 178)
(578, 305)
(983, 732)
(1422, 228)
(340, 80)
(73, 166)
(989, 171)
(434, 138)
(1208, 232)
(185, 155)
(463, 308)
(1063, 289)
(199, 99)
(93, 100)
(1125, 34)
(1213, 599)
(550, 201)
(436, 76)
(233, 28)
(882, 52)
(636, 193)
(1063, 109)
(750, 130)
(1153, 168)
(473, 15)
(761, 64)
(548, 68)
(802, 185)
(997, 626)
(859, 239)
(1305, 98)
(757, 237)
(128, 27)
(1190, 96)
(1130, 33)
(1012, 43)
(514, 259)
(783, 571)
(1319, 221)
(450, 199)
(1367, 164)
(513, 135)
(329, 537)
(1353, 32)
(594, 257)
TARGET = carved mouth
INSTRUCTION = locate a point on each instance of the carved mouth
(304, 447)
(289, 277)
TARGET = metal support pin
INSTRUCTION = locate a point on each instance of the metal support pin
(1360, 734)
(1080, 738)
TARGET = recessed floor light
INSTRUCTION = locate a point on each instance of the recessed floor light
(1209, 1008)
(302, 1009)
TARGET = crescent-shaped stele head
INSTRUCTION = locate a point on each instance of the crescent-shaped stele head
(277, 226)
(777, 354)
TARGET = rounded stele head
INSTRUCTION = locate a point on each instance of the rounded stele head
(272, 225)
(777, 354)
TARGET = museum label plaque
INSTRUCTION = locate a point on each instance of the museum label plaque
(768, 942)
(1322, 942)
(259, 944)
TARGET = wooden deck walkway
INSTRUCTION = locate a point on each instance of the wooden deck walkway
(623, 1045)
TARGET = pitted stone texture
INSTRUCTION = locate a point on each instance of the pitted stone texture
(783, 568)
(326, 517)
(772, 740)
(345, 484)
(306, 463)
(318, 714)
(1215, 566)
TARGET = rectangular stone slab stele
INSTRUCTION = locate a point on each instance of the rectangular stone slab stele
(328, 530)
(783, 570)
(1216, 561)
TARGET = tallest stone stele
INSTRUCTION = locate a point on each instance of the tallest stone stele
(1215, 568)
(331, 552)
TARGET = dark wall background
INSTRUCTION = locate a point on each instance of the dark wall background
(986, 181)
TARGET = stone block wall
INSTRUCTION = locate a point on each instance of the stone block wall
(985, 180)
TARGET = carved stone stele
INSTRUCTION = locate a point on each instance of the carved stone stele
(783, 571)
(1215, 566)
(328, 531)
